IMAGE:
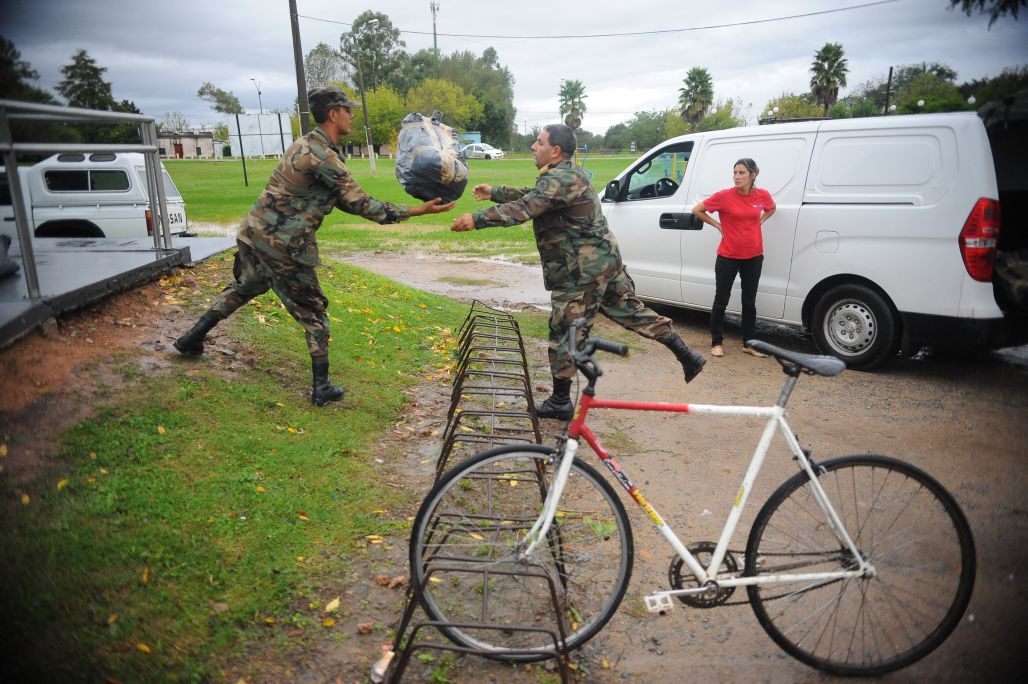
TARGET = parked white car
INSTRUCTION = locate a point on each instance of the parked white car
(99, 195)
(884, 237)
(482, 151)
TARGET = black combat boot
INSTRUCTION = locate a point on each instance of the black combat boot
(191, 344)
(322, 390)
(558, 405)
(692, 362)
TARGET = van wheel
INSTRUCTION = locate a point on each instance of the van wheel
(855, 324)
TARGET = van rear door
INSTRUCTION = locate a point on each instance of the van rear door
(176, 203)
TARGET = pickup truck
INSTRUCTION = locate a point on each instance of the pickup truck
(99, 195)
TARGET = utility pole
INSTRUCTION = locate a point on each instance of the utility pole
(301, 81)
(888, 88)
(434, 6)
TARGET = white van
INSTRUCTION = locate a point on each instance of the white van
(100, 195)
(883, 240)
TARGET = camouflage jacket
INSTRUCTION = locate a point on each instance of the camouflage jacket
(575, 244)
(307, 184)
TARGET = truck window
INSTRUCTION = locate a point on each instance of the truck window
(169, 186)
(108, 181)
(66, 181)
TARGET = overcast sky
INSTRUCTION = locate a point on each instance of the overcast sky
(158, 53)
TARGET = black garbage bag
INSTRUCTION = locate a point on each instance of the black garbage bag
(8, 266)
(429, 162)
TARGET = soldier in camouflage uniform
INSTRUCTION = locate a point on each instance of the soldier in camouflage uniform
(277, 245)
(581, 262)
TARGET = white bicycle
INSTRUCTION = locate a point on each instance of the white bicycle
(857, 565)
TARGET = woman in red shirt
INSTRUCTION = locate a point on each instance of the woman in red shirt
(741, 211)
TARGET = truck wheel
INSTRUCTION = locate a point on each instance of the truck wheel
(855, 324)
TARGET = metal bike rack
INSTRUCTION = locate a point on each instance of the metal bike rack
(491, 404)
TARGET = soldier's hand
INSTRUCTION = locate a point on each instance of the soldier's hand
(462, 223)
(432, 206)
(482, 191)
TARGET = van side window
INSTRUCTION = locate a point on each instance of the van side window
(108, 180)
(661, 174)
(67, 181)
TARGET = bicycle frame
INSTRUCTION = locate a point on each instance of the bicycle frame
(775, 415)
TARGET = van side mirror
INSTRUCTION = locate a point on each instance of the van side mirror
(612, 193)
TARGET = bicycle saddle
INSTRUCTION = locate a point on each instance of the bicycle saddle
(808, 363)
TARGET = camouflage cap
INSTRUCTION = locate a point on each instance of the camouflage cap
(330, 96)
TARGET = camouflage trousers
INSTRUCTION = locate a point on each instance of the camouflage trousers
(615, 299)
(296, 285)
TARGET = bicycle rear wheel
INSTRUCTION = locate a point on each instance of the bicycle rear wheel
(901, 520)
(462, 553)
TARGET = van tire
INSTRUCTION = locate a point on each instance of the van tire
(856, 324)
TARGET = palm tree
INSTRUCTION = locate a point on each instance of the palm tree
(828, 74)
(696, 96)
(572, 104)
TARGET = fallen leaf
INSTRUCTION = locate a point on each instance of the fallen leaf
(112, 618)
(268, 622)
(374, 538)
(142, 647)
(3, 451)
(161, 430)
(332, 605)
(62, 484)
(381, 580)
(145, 579)
(261, 488)
(397, 581)
(328, 622)
(300, 515)
(644, 554)
(295, 633)
(219, 607)
(605, 663)
(25, 500)
(365, 627)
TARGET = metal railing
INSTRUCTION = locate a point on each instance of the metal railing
(14, 110)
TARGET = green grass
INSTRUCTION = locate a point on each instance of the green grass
(214, 193)
(208, 487)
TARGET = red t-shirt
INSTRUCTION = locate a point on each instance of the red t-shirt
(740, 221)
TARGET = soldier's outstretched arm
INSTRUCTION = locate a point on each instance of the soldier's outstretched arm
(432, 206)
(545, 196)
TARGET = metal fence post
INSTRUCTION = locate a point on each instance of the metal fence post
(21, 218)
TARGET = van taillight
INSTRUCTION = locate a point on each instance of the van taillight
(149, 223)
(978, 239)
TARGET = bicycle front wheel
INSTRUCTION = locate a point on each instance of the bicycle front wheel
(463, 554)
(905, 524)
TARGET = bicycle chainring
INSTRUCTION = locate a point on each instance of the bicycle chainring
(715, 596)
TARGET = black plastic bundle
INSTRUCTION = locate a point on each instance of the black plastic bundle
(429, 161)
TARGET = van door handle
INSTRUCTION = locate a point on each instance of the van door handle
(680, 221)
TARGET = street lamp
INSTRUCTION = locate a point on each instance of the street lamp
(364, 100)
(260, 106)
(257, 84)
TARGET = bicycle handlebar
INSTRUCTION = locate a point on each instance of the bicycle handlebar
(583, 354)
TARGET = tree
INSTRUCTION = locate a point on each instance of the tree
(996, 8)
(15, 74)
(696, 96)
(725, 115)
(323, 65)
(174, 122)
(83, 84)
(935, 93)
(1011, 80)
(572, 103)
(792, 106)
(828, 74)
(459, 108)
(491, 83)
(372, 46)
(223, 101)
(386, 110)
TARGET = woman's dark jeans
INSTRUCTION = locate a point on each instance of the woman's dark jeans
(725, 270)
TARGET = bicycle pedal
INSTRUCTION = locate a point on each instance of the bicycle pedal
(658, 603)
